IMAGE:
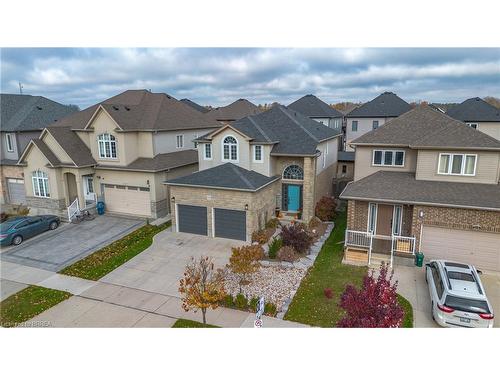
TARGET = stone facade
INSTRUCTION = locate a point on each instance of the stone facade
(308, 192)
(46, 206)
(357, 215)
(8, 171)
(160, 208)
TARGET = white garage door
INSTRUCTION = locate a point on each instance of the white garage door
(477, 248)
(15, 187)
(129, 200)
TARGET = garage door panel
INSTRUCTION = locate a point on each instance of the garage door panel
(130, 201)
(192, 219)
(230, 224)
(17, 194)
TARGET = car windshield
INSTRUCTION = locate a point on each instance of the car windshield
(468, 305)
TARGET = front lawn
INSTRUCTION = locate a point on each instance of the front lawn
(28, 303)
(102, 262)
(310, 306)
(408, 309)
(185, 323)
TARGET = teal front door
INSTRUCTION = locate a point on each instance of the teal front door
(293, 197)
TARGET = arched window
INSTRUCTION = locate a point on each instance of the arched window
(107, 146)
(293, 172)
(230, 149)
(40, 184)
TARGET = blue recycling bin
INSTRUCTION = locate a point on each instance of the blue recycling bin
(100, 207)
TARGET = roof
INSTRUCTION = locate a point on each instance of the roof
(346, 156)
(194, 105)
(78, 151)
(234, 111)
(289, 131)
(27, 112)
(225, 176)
(475, 109)
(46, 151)
(311, 106)
(425, 127)
(402, 187)
(160, 162)
(141, 110)
(8, 162)
(387, 104)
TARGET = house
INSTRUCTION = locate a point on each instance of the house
(425, 182)
(373, 114)
(234, 111)
(478, 114)
(22, 118)
(276, 160)
(118, 151)
(194, 105)
(345, 171)
(316, 109)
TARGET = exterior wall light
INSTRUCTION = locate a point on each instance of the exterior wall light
(421, 214)
(246, 207)
(172, 199)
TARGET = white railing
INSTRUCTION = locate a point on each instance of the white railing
(358, 238)
(402, 244)
(73, 209)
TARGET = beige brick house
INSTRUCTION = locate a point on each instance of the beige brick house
(425, 182)
(279, 159)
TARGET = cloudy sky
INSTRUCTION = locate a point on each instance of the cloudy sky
(219, 76)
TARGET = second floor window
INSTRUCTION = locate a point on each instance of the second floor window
(354, 126)
(107, 146)
(230, 149)
(472, 125)
(180, 141)
(388, 158)
(9, 139)
(208, 151)
(40, 184)
(375, 125)
(257, 153)
(457, 164)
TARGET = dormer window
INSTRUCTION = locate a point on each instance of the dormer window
(257, 153)
(230, 149)
(107, 146)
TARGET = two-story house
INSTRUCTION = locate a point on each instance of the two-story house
(316, 109)
(373, 114)
(278, 159)
(425, 182)
(22, 118)
(118, 151)
(232, 112)
(478, 114)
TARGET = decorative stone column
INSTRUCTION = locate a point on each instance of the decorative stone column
(308, 188)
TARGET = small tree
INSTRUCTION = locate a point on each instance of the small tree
(245, 260)
(325, 209)
(202, 286)
(375, 305)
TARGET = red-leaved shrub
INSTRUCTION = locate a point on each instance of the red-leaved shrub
(325, 209)
(297, 236)
(328, 292)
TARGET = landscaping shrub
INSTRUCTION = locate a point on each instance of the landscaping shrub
(241, 301)
(228, 301)
(273, 223)
(287, 254)
(245, 260)
(270, 309)
(253, 304)
(274, 247)
(297, 236)
(325, 209)
(328, 292)
(263, 235)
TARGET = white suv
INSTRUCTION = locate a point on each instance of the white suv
(457, 295)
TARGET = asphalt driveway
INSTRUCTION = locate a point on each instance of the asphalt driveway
(54, 250)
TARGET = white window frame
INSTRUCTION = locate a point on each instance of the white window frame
(373, 124)
(462, 166)
(470, 125)
(254, 153)
(107, 139)
(209, 145)
(400, 221)
(231, 145)
(382, 161)
(40, 182)
(352, 125)
(179, 137)
(372, 206)
(9, 141)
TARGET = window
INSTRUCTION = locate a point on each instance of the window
(375, 125)
(472, 125)
(293, 172)
(438, 283)
(208, 151)
(457, 164)
(344, 168)
(397, 218)
(9, 139)
(180, 141)
(40, 184)
(336, 123)
(257, 153)
(372, 217)
(107, 146)
(230, 149)
(354, 126)
(389, 158)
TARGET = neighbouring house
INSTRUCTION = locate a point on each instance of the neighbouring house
(373, 114)
(234, 111)
(276, 160)
(425, 182)
(345, 171)
(118, 151)
(316, 109)
(478, 114)
(194, 105)
(22, 118)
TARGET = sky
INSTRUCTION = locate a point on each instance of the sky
(218, 76)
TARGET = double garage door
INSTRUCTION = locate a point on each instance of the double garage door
(16, 191)
(128, 200)
(480, 249)
(226, 223)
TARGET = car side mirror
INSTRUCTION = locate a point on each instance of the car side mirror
(427, 264)
(479, 272)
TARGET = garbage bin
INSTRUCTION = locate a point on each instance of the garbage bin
(100, 208)
(419, 259)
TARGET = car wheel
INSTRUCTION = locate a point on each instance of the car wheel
(17, 240)
(53, 225)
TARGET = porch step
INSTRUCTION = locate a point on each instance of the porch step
(355, 255)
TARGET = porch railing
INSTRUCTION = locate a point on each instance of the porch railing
(73, 209)
(402, 244)
(358, 238)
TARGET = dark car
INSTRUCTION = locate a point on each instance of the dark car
(15, 230)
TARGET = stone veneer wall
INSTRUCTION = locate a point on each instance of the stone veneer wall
(159, 208)
(308, 192)
(8, 171)
(46, 206)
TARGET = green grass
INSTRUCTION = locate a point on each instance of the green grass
(310, 306)
(185, 323)
(408, 309)
(28, 303)
(105, 260)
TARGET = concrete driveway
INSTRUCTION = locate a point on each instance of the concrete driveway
(54, 250)
(412, 286)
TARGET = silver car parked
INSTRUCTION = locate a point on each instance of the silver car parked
(457, 295)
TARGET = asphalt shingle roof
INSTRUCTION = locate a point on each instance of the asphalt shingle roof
(475, 109)
(234, 111)
(27, 112)
(73, 145)
(225, 176)
(194, 105)
(402, 187)
(387, 104)
(311, 106)
(346, 155)
(47, 152)
(160, 162)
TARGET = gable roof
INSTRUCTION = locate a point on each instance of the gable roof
(194, 105)
(234, 111)
(141, 110)
(475, 109)
(387, 104)
(424, 127)
(160, 162)
(225, 176)
(78, 151)
(310, 106)
(27, 112)
(46, 151)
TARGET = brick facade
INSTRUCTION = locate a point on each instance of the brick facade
(357, 215)
(8, 171)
